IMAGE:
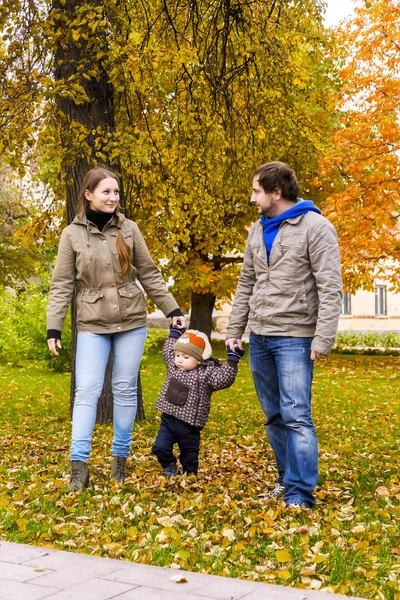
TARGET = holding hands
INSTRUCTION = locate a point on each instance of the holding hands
(177, 327)
(234, 350)
(232, 342)
(179, 322)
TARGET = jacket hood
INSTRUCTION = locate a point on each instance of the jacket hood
(301, 207)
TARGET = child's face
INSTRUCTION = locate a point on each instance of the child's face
(185, 362)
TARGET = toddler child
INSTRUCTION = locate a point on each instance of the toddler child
(184, 401)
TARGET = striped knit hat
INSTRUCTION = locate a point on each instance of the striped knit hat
(194, 343)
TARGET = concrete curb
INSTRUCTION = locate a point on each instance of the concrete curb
(33, 573)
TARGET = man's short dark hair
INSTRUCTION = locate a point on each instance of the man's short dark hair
(275, 175)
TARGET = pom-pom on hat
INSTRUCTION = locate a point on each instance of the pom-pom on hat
(194, 343)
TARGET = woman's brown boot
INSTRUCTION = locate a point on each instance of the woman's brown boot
(79, 475)
(118, 468)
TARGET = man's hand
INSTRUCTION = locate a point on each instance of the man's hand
(179, 322)
(52, 343)
(317, 355)
(231, 343)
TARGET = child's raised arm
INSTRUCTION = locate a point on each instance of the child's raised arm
(168, 348)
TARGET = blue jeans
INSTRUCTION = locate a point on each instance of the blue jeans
(92, 354)
(282, 372)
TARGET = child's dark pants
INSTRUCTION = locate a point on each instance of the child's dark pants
(174, 431)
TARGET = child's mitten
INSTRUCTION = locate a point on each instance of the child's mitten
(234, 356)
(176, 333)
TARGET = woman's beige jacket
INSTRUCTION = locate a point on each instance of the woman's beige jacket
(106, 301)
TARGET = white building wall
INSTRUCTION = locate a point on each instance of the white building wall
(363, 316)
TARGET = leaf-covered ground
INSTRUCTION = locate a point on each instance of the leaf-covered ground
(350, 544)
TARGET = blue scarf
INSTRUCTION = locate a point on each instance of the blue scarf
(271, 226)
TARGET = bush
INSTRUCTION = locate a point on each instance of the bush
(368, 342)
(23, 328)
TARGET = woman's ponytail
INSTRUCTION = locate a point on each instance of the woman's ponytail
(123, 249)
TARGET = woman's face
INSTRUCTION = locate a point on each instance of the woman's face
(105, 197)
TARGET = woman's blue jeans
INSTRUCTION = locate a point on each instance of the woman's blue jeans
(282, 372)
(92, 354)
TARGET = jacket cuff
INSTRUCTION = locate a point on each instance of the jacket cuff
(53, 333)
(175, 313)
(231, 333)
(321, 347)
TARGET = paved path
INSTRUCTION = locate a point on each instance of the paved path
(32, 573)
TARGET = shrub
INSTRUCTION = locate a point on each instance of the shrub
(367, 342)
(23, 328)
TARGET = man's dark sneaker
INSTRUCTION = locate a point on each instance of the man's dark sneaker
(79, 475)
(118, 468)
(170, 471)
(277, 492)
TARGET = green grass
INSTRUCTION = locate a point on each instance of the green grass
(215, 524)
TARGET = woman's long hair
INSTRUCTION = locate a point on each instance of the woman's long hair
(90, 183)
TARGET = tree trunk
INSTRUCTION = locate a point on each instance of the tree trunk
(140, 416)
(201, 312)
(73, 58)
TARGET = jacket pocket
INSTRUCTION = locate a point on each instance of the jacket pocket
(132, 301)
(293, 242)
(290, 307)
(177, 393)
(290, 256)
(128, 290)
(90, 308)
(128, 240)
(252, 306)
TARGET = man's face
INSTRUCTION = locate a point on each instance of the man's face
(265, 201)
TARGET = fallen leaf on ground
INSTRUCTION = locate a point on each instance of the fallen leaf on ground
(178, 579)
(381, 492)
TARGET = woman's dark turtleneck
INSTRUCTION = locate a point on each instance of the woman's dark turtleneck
(98, 218)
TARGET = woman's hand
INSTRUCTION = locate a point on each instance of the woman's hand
(52, 343)
(179, 322)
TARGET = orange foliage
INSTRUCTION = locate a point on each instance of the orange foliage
(360, 175)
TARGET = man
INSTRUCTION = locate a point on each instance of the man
(289, 293)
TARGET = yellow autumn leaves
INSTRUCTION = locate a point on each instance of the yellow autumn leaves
(216, 524)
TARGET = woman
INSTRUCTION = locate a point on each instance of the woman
(102, 254)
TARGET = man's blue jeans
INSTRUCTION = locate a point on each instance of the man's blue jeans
(92, 354)
(282, 372)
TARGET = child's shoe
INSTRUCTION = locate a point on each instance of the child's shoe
(170, 471)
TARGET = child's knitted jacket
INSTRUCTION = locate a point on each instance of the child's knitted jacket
(186, 395)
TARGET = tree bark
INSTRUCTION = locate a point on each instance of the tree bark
(201, 312)
(140, 416)
(97, 114)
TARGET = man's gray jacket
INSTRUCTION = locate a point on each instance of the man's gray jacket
(299, 293)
